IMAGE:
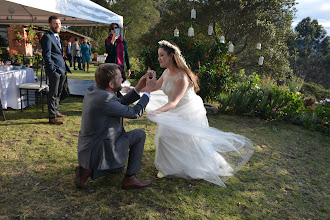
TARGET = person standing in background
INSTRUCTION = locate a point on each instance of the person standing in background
(86, 54)
(116, 48)
(68, 53)
(76, 54)
(55, 67)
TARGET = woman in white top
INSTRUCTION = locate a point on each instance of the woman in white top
(186, 146)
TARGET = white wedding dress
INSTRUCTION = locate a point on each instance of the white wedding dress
(186, 146)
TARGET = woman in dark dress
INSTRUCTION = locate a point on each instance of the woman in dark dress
(116, 48)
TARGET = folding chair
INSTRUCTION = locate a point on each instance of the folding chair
(39, 88)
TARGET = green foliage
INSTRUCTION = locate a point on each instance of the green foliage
(4, 54)
(260, 96)
(194, 51)
(139, 17)
(310, 50)
(245, 23)
(316, 116)
(316, 91)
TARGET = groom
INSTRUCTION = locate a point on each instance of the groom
(103, 143)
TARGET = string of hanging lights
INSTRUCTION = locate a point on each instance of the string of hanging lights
(191, 33)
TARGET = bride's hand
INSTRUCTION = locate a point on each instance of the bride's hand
(153, 113)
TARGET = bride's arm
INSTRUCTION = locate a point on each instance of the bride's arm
(180, 87)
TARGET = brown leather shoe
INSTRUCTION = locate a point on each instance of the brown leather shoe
(59, 115)
(81, 177)
(134, 182)
(55, 121)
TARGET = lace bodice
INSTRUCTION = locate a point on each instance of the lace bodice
(169, 83)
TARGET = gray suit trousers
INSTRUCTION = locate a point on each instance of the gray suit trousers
(56, 82)
(136, 138)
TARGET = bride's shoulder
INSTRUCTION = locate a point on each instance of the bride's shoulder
(182, 75)
(165, 72)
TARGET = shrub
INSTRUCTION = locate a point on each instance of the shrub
(315, 116)
(260, 96)
(316, 91)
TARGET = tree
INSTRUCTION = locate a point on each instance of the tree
(244, 23)
(139, 16)
(310, 48)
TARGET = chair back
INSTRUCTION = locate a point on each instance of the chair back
(43, 75)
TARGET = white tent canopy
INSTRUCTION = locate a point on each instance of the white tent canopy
(70, 12)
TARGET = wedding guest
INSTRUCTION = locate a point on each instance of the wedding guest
(76, 54)
(68, 53)
(86, 53)
(186, 146)
(116, 48)
(103, 143)
(56, 68)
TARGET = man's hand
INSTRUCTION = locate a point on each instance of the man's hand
(142, 82)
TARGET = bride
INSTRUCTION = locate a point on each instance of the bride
(186, 146)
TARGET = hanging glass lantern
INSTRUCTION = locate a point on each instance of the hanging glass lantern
(176, 32)
(231, 48)
(193, 13)
(210, 30)
(261, 60)
(191, 32)
(222, 39)
(258, 46)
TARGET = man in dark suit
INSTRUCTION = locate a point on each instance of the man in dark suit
(68, 53)
(56, 68)
(103, 143)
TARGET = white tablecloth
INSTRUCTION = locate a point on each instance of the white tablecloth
(101, 59)
(9, 83)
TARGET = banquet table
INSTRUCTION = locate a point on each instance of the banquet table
(9, 83)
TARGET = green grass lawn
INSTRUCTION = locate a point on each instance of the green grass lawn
(286, 178)
(80, 74)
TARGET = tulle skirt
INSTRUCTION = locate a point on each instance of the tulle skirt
(187, 147)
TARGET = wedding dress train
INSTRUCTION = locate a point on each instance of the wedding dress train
(187, 147)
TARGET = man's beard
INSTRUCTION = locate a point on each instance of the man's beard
(118, 88)
(53, 30)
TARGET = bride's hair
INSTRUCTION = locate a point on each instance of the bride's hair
(179, 61)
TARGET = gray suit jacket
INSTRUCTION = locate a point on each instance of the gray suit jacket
(103, 142)
(76, 49)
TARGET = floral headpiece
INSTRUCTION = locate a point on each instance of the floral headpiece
(175, 48)
(168, 44)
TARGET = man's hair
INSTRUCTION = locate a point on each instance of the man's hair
(105, 73)
(76, 38)
(53, 17)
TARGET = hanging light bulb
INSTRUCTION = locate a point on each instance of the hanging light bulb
(258, 46)
(222, 39)
(191, 32)
(176, 32)
(193, 13)
(261, 60)
(210, 30)
(231, 48)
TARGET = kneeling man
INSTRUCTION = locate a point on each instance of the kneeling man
(103, 143)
